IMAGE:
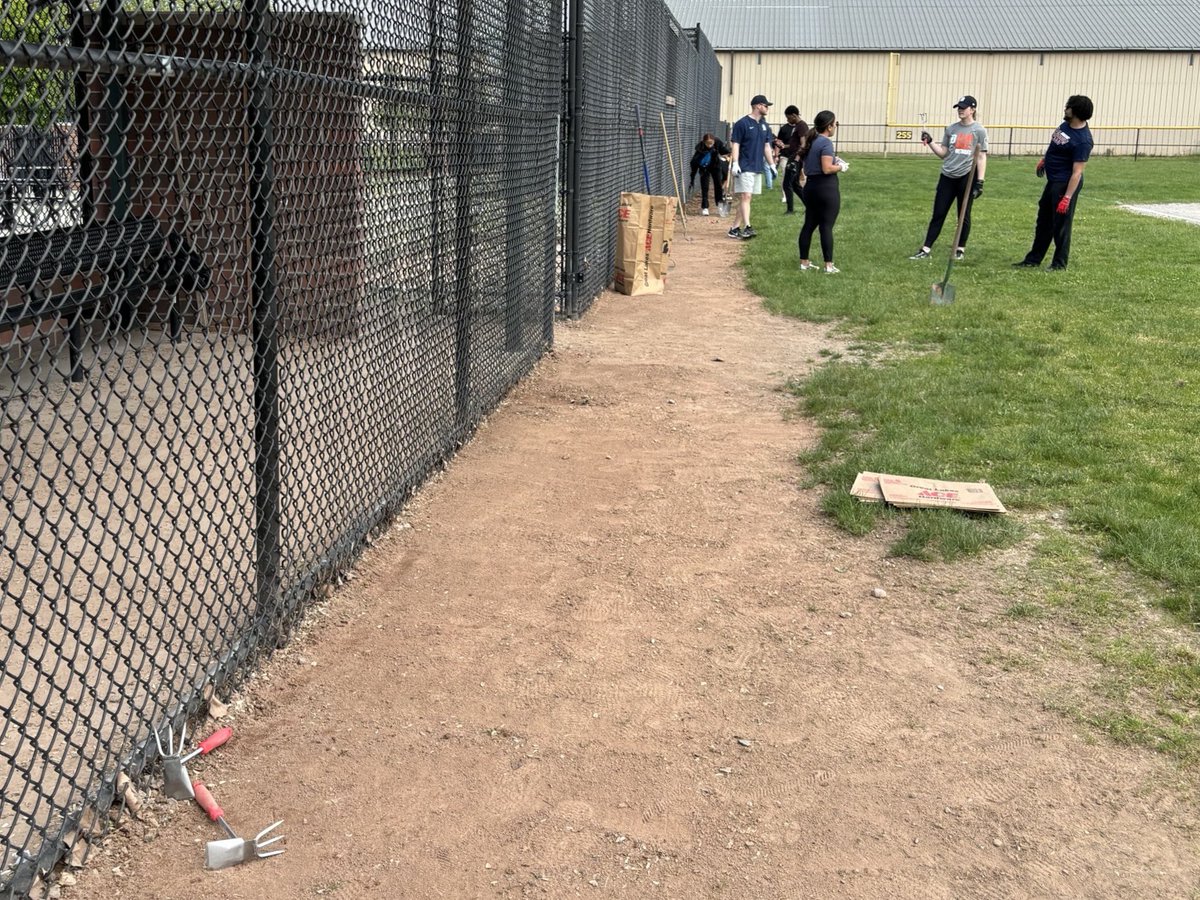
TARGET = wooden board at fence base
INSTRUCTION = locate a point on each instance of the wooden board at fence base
(973, 496)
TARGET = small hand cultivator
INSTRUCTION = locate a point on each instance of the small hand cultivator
(176, 783)
(234, 850)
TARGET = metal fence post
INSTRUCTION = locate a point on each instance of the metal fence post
(463, 149)
(264, 322)
(514, 214)
(573, 151)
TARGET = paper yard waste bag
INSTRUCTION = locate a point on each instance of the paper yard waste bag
(645, 227)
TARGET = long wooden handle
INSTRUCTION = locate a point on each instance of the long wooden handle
(674, 177)
(962, 213)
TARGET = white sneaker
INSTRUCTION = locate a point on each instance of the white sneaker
(832, 270)
(704, 212)
(808, 267)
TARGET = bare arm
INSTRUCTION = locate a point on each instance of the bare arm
(1076, 177)
(828, 166)
(981, 166)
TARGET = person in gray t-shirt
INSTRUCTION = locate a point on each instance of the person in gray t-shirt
(957, 151)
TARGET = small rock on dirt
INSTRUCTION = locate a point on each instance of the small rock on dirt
(879, 593)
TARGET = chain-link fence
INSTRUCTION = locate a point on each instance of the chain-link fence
(264, 266)
(640, 70)
(1022, 140)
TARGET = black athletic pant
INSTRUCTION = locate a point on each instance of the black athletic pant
(1053, 227)
(949, 193)
(822, 203)
(712, 175)
(791, 184)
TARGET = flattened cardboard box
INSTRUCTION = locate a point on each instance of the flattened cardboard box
(974, 496)
(645, 228)
(866, 488)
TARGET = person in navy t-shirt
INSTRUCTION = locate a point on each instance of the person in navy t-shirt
(1062, 166)
(749, 142)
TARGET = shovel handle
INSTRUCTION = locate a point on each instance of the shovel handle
(207, 802)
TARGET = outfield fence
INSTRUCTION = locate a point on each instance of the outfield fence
(265, 266)
(1024, 140)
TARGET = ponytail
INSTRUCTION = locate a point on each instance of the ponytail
(821, 121)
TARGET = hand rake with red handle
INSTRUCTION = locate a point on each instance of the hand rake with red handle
(233, 851)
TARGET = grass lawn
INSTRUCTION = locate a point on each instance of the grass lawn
(1075, 394)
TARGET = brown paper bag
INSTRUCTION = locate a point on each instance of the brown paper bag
(645, 227)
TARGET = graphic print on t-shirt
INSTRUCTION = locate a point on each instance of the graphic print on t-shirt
(962, 143)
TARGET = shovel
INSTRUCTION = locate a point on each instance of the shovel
(175, 775)
(942, 293)
(723, 206)
(232, 851)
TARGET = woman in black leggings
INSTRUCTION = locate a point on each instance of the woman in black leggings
(822, 197)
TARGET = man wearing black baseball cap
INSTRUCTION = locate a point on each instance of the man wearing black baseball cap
(749, 141)
(957, 151)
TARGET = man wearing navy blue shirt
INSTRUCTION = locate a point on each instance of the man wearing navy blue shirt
(751, 135)
(1062, 166)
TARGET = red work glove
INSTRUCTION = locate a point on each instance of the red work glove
(1040, 169)
(1063, 205)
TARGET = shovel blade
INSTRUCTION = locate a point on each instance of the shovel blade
(228, 852)
(942, 294)
(723, 209)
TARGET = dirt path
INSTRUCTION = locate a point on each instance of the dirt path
(616, 651)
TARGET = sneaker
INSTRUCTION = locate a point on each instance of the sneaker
(1055, 267)
(704, 212)
(735, 233)
(1023, 264)
(808, 267)
(748, 233)
(960, 255)
(789, 212)
(783, 199)
(921, 254)
(832, 270)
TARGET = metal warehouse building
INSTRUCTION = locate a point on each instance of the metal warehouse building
(888, 68)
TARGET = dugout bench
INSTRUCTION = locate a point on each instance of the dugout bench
(106, 269)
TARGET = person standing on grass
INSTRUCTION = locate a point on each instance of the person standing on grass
(957, 151)
(822, 195)
(708, 161)
(749, 148)
(1063, 165)
(788, 145)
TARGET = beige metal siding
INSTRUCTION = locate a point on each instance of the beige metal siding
(1144, 101)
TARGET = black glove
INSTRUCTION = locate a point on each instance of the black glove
(1040, 169)
(926, 138)
(977, 189)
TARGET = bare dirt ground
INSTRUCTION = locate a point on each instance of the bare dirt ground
(615, 650)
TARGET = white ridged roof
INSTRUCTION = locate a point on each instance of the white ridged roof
(1002, 25)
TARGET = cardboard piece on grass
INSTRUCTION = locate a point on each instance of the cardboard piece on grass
(645, 228)
(973, 496)
(866, 488)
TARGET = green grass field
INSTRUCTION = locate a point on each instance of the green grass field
(1075, 394)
